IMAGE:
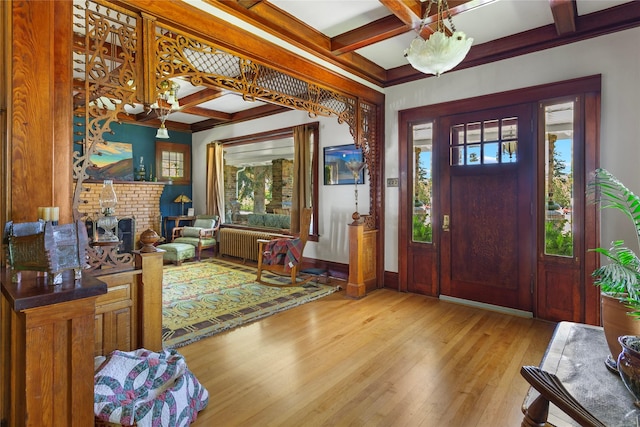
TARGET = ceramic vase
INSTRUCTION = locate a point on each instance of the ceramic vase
(629, 365)
(616, 322)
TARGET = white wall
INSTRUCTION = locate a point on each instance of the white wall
(616, 57)
(336, 203)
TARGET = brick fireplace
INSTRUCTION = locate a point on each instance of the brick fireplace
(140, 200)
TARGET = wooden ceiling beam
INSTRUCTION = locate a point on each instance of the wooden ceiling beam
(277, 22)
(200, 97)
(382, 29)
(204, 112)
(564, 15)
(408, 12)
(241, 116)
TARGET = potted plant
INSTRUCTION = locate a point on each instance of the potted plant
(619, 279)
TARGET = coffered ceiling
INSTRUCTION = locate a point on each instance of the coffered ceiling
(365, 39)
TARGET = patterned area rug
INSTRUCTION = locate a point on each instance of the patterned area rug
(204, 298)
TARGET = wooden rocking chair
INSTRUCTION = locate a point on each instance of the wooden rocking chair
(284, 246)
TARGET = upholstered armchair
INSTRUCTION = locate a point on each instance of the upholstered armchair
(202, 234)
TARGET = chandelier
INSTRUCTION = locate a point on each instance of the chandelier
(166, 103)
(440, 52)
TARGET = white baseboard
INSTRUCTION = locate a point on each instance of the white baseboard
(506, 310)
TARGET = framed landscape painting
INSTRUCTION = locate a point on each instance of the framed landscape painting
(335, 169)
(112, 160)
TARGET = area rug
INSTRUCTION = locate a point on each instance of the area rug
(200, 299)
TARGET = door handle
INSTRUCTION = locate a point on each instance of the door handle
(445, 223)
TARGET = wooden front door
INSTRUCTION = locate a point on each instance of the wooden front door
(486, 193)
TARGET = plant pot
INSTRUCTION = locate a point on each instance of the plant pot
(629, 365)
(616, 322)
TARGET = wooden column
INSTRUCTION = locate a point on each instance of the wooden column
(40, 140)
(362, 261)
(47, 350)
(150, 299)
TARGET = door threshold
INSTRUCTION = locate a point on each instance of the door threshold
(477, 304)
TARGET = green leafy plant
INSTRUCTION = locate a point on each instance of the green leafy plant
(621, 276)
(421, 232)
(558, 241)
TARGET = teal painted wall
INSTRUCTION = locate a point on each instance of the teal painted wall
(143, 141)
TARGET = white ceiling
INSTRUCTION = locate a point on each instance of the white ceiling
(485, 23)
(489, 22)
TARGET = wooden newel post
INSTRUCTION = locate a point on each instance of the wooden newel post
(150, 323)
(362, 261)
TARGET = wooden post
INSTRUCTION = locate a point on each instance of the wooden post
(47, 350)
(362, 261)
(150, 295)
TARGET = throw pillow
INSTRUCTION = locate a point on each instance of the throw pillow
(191, 231)
(204, 223)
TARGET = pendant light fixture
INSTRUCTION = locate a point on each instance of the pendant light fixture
(444, 49)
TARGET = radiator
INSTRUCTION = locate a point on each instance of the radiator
(242, 243)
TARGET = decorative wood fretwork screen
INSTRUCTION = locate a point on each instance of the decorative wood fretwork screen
(114, 70)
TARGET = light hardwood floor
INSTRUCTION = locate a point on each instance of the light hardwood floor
(389, 359)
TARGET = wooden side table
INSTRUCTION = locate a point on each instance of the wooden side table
(576, 355)
(176, 223)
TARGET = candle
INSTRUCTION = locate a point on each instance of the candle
(55, 213)
(46, 214)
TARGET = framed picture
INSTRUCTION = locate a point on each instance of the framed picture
(112, 160)
(335, 160)
(191, 211)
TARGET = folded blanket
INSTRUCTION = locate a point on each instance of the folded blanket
(145, 388)
(283, 251)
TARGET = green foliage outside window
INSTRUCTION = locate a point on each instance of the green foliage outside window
(422, 231)
(558, 241)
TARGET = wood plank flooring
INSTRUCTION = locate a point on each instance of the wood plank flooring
(389, 359)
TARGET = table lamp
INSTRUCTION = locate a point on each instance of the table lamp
(182, 198)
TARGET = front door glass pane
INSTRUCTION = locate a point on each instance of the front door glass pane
(422, 182)
(559, 185)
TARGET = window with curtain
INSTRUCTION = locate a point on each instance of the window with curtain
(259, 178)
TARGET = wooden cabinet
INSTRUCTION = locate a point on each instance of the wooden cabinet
(129, 315)
(116, 313)
(47, 358)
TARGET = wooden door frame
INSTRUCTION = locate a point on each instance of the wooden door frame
(533, 94)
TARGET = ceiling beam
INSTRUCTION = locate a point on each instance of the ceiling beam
(277, 22)
(564, 15)
(382, 29)
(200, 97)
(411, 12)
(241, 116)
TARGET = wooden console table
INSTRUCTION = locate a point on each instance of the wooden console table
(576, 356)
(47, 350)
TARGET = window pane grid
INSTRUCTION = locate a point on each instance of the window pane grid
(172, 164)
(481, 143)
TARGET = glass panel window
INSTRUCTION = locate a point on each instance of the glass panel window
(559, 185)
(422, 182)
(492, 141)
(173, 162)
